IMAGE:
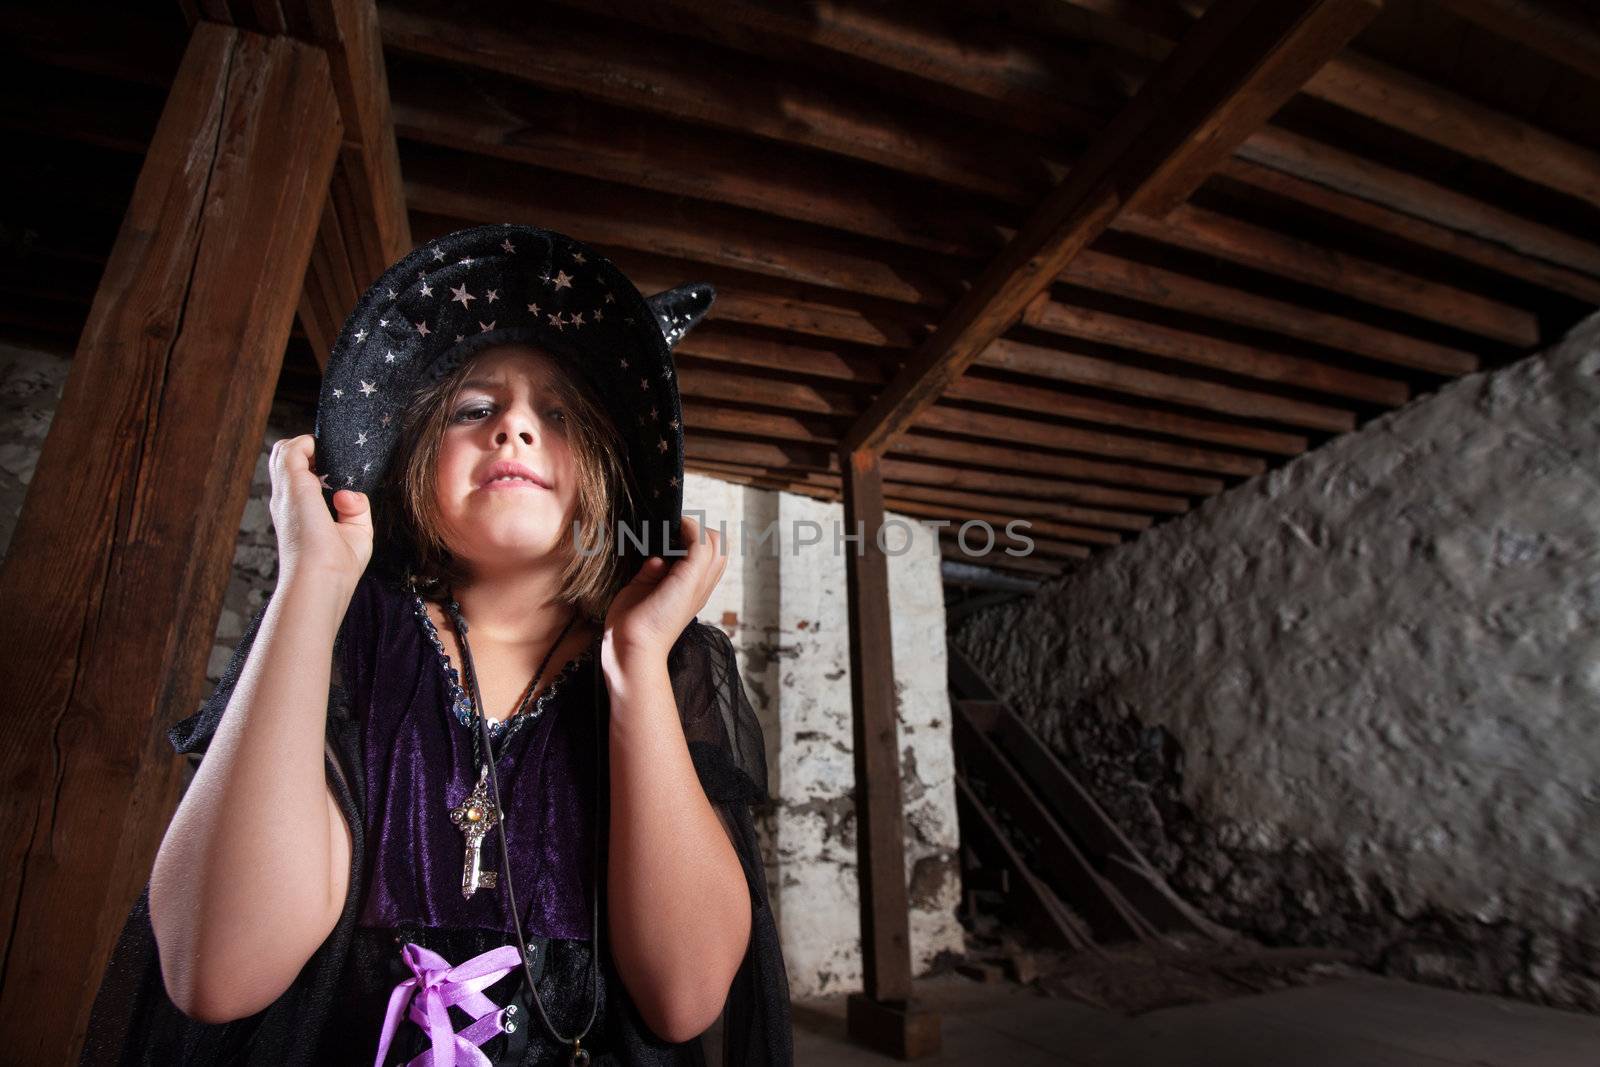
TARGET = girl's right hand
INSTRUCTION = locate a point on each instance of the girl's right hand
(309, 540)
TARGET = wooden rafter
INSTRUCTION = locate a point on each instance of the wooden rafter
(1242, 55)
(1567, 33)
(114, 577)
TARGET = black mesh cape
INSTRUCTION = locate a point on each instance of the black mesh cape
(134, 1021)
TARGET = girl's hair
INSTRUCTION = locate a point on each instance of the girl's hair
(407, 519)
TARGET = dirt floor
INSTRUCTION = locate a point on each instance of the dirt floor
(1348, 1019)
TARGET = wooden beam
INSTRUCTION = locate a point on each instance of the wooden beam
(112, 585)
(946, 418)
(1167, 288)
(446, 107)
(904, 471)
(367, 188)
(1232, 51)
(1568, 34)
(1073, 501)
(1022, 508)
(1001, 460)
(1058, 365)
(364, 225)
(1251, 96)
(1481, 228)
(949, 550)
(1406, 102)
(802, 397)
(1009, 551)
(1422, 109)
(441, 107)
(1279, 253)
(1202, 350)
(712, 86)
(1010, 457)
(998, 522)
(615, 216)
(880, 826)
(1062, 365)
(1063, 404)
(946, 58)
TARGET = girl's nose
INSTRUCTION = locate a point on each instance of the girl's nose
(502, 435)
(516, 421)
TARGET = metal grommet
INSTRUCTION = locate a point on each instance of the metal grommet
(511, 1009)
(509, 1027)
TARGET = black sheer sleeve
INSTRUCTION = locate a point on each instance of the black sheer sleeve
(350, 677)
(718, 721)
(133, 1020)
(730, 758)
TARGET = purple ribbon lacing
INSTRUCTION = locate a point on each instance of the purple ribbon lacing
(434, 987)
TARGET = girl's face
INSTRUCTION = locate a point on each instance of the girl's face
(507, 411)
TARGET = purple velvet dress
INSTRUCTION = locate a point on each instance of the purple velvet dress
(397, 761)
(417, 746)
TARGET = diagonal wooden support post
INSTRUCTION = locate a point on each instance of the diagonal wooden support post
(110, 592)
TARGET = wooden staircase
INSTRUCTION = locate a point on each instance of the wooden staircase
(1071, 878)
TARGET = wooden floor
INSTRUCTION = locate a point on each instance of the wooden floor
(1359, 1022)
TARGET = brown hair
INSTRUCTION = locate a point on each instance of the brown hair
(413, 527)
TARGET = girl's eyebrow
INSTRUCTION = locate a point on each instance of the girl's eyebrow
(485, 384)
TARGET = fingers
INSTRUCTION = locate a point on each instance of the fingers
(353, 507)
(704, 555)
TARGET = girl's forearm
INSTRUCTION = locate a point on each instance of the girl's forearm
(679, 905)
(244, 885)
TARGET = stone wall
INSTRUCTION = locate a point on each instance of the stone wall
(784, 607)
(1356, 701)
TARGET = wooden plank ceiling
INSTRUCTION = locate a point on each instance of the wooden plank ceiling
(845, 171)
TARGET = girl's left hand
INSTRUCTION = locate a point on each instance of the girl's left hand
(647, 615)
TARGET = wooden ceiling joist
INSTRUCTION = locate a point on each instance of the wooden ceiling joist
(891, 155)
(1430, 113)
(791, 396)
(1403, 101)
(1291, 257)
(1009, 457)
(1482, 229)
(1087, 324)
(1136, 381)
(1241, 55)
(1053, 404)
(364, 224)
(912, 477)
(860, 30)
(1182, 292)
(712, 87)
(1568, 34)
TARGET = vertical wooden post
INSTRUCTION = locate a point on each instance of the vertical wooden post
(112, 586)
(883, 1016)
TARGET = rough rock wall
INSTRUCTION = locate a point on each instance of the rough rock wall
(786, 615)
(1357, 701)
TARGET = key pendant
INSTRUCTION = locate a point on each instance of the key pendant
(475, 817)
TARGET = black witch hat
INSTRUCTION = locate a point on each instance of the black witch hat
(496, 284)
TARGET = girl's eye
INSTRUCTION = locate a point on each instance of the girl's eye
(558, 415)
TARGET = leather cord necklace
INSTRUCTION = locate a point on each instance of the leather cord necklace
(482, 811)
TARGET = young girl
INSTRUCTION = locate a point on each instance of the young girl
(477, 781)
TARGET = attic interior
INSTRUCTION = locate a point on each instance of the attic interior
(1272, 324)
